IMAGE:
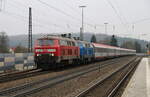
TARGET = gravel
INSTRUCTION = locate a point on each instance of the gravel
(74, 86)
(106, 86)
(38, 77)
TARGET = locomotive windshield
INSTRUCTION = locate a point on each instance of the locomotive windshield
(42, 42)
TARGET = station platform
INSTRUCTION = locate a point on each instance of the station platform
(139, 85)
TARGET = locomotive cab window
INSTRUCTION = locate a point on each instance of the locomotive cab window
(46, 42)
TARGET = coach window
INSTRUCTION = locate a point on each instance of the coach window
(105, 50)
(99, 49)
(110, 51)
(96, 49)
(102, 50)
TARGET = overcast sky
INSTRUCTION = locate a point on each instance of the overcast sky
(50, 16)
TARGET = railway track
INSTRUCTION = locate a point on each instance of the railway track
(108, 86)
(6, 77)
(26, 89)
(20, 74)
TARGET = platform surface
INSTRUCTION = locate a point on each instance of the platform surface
(139, 85)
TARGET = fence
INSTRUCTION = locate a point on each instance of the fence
(17, 61)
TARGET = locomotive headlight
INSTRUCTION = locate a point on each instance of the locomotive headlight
(52, 54)
(38, 54)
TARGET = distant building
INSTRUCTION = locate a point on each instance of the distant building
(12, 50)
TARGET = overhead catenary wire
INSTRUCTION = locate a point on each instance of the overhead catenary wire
(58, 10)
(141, 20)
(125, 22)
(25, 6)
(35, 22)
(78, 12)
(117, 14)
(66, 14)
(72, 8)
(38, 23)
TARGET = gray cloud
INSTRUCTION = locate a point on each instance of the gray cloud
(65, 16)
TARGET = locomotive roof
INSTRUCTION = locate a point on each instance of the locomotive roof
(57, 37)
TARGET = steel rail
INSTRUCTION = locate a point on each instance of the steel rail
(29, 88)
(19, 75)
(15, 72)
(5, 77)
(87, 90)
(114, 90)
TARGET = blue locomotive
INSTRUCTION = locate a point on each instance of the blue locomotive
(86, 51)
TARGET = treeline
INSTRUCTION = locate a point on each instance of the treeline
(126, 44)
(4, 45)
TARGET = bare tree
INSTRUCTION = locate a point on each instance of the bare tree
(20, 49)
(4, 47)
(128, 45)
(93, 38)
(113, 41)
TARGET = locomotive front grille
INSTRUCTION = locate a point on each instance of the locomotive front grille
(46, 58)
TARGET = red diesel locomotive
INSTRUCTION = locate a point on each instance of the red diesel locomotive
(52, 50)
